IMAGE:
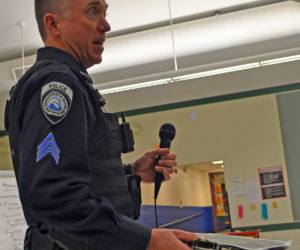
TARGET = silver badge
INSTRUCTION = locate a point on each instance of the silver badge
(56, 100)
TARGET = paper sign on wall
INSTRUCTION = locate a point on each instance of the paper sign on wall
(252, 191)
(237, 190)
(236, 178)
(272, 182)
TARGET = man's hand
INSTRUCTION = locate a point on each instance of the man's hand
(170, 239)
(145, 166)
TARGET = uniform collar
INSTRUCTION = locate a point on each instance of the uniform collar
(52, 53)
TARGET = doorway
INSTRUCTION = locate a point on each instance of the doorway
(220, 203)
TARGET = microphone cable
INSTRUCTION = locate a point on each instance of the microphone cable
(155, 213)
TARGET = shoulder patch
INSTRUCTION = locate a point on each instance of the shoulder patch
(56, 100)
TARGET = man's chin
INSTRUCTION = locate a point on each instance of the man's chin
(93, 62)
(98, 60)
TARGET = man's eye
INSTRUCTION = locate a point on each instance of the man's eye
(93, 11)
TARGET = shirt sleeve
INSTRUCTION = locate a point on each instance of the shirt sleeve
(55, 173)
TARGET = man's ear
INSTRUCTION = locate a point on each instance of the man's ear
(50, 22)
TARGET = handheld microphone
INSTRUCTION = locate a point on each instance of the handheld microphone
(166, 134)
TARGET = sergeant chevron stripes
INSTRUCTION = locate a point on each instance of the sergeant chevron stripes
(48, 146)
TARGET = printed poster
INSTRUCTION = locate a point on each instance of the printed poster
(272, 182)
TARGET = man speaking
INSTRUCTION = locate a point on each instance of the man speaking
(66, 149)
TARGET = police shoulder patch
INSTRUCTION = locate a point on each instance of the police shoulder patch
(56, 100)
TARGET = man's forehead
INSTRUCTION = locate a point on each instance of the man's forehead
(85, 3)
(95, 2)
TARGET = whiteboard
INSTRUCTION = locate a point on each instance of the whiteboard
(12, 222)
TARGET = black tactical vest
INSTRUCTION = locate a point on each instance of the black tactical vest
(104, 149)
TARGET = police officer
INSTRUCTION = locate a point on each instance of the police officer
(66, 149)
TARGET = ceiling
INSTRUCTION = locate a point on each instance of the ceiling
(124, 17)
(208, 34)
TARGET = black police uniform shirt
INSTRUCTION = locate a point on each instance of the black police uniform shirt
(55, 171)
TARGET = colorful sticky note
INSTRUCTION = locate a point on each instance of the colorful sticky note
(252, 207)
(275, 204)
(264, 211)
(241, 212)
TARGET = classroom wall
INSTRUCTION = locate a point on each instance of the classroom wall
(189, 187)
(5, 158)
(244, 133)
(3, 97)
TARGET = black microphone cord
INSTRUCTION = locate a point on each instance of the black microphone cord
(155, 212)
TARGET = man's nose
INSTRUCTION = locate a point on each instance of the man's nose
(104, 25)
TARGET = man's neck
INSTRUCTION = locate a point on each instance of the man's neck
(59, 45)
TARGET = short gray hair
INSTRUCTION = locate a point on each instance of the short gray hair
(42, 7)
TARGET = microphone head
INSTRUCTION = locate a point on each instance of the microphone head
(167, 132)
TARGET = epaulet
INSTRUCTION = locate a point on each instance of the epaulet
(94, 93)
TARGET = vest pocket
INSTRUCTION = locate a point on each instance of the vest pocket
(113, 134)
